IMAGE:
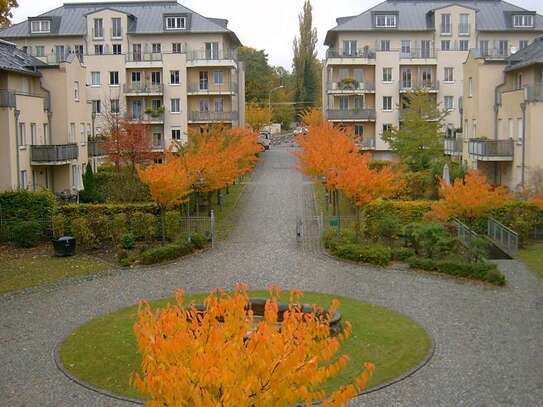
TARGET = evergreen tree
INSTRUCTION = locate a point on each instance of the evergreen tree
(90, 193)
(306, 65)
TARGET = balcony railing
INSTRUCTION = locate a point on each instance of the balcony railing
(212, 87)
(492, 52)
(350, 85)
(58, 153)
(139, 88)
(491, 150)
(430, 85)
(366, 143)
(218, 55)
(343, 53)
(418, 53)
(95, 149)
(453, 146)
(146, 117)
(144, 57)
(8, 98)
(464, 29)
(351, 114)
(534, 93)
(213, 116)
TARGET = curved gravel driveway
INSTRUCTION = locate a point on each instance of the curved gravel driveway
(489, 341)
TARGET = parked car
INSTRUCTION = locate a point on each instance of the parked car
(300, 130)
(264, 139)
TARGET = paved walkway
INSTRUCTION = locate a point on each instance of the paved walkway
(489, 341)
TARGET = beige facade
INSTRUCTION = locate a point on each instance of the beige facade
(173, 79)
(46, 122)
(503, 110)
(386, 63)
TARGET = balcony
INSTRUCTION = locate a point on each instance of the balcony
(453, 146)
(366, 53)
(366, 143)
(429, 85)
(146, 118)
(491, 150)
(350, 86)
(58, 154)
(143, 89)
(94, 149)
(350, 115)
(534, 93)
(418, 54)
(8, 98)
(492, 53)
(212, 116)
(223, 57)
(212, 89)
(143, 59)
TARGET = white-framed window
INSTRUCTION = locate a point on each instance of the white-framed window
(446, 28)
(387, 74)
(387, 103)
(483, 47)
(175, 106)
(463, 26)
(97, 106)
(470, 87)
(204, 105)
(406, 47)
(136, 76)
(156, 77)
(82, 128)
(387, 127)
(117, 49)
(157, 139)
(76, 91)
(156, 104)
(176, 23)
(98, 28)
(384, 45)
(116, 27)
(40, 26)
(177, 48)
(114, 78)
(463, 45)
(218, 77)
(156, 48)
(71, 133)
(176, 134)
(523, 44)
(22, 134)
(523, 20)
(40, 51)
(385, 20)
(95, 78)
(520, 128)
(174, 78)
(448, 74)
(75, 176)
(349, 48)
(115, 108)
(24, 179)
(503, 48)
(219, 104)
(33, 134)
(445, 45)
(98, 49)
(359, 130)
(448, 103)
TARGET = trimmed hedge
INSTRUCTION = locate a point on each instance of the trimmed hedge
(405, 211)
(376, 254)
(478, 271)
(167, 252)
(25, 205)
(94, 210)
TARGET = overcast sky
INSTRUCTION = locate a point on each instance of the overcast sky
(262, 24)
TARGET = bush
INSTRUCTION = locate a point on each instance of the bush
(150, 227)
(402, 253)
(173, 225)
(404, 212)
(373, 254)
(385, 228)
(429, 239)
(83, 233)
(59, 226)
(420, 185)
(122, 186)
(26, 233)
(167, 252)
(120, 226)
(93, 210)
(25, 205)
(128, 242)
(102, 228)
(478, 271)
(332, 238)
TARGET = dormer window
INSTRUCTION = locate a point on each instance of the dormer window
(176, 23)
(523, 20)
(385, 20)
(40, 26)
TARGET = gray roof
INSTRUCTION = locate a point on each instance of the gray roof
(15, 60)
(416, 15)
(146, 17)
(532, 54)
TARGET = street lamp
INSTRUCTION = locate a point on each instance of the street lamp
(270, 95)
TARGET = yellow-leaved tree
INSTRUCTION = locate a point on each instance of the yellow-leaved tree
(224, 356)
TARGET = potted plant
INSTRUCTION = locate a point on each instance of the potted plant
(348, 84)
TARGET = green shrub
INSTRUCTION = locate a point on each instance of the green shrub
(173, 225)
(150, 225)
(167, 252)
(122, 186)
(26, 233)
(83, 233)
(128, 242)
(429, 239)
(520, 216)
(402, 253)
(93, 210)
(137, 225)
(420, 185)
(373, 254)
(120, 226)
(25, 205)
(58, 225)
(198, 240)
(385, 228)
(102, 228)
(332, 238)
(90, 192)
(404, 212)
(478, 271)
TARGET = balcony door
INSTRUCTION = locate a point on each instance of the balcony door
(204, 105)
(425, 48)
(343, 103)
(407, 82)
(136, 80)
(426, 77)
(212, 50)
(204, 80)
(156, 78)
(136, 52)
(137, 110)
(59, 53)
(349, 48)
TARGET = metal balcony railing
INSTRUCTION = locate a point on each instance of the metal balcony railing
(212, 55)
(54, 153)
(143, 57)
(407, 85)
(141, 87)
(212, 87)
(492, 52)
(350, 84)
(491, 150)
(366, 143)
(146, 117)
(351, 114)
(213, 116)
(534, 93)
(8, 98)
(95, 149)
(343, 53)
(453, 146)
(418, 53)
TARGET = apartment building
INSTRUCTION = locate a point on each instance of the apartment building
(503, 114)
(45, 122)
(157, 62)
(376, 57)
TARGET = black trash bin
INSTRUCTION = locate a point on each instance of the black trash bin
(65, 246)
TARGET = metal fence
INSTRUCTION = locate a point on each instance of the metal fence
(503, 237)
(464, 233)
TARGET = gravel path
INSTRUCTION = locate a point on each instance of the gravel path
(489, 341)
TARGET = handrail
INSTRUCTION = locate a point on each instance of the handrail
(503, 237)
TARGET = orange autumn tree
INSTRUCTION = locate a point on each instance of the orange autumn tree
(468, 198)
(243, 149)
(538, 201)
(362, 185)
(312, 117)
(169, 184)
(257, 116)
(224, 356)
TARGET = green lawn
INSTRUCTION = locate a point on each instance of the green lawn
(226, 215)
(533, 257)
(29, 269)
(345, 206)
(103, 352)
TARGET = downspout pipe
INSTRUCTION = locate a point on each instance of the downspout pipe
(17, 113)
(523, 165)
